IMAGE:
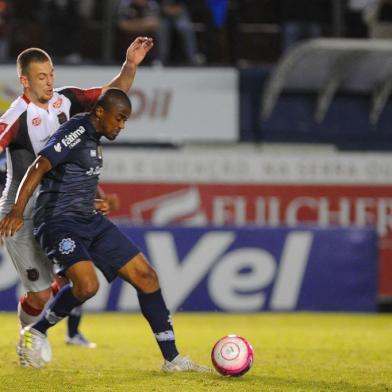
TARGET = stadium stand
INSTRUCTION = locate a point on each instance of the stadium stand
(331, 91)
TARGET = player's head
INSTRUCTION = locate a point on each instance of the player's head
(111, 111)
(35, 71)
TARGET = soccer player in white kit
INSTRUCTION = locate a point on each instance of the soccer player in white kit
(24, 129)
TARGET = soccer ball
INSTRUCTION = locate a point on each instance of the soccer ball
(232, 356)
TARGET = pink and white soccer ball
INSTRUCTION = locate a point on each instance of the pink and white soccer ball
(232, 355)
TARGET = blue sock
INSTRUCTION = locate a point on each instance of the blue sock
(73, 321)
(158, 316)
(60, 307)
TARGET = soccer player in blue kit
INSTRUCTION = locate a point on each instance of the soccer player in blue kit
(24, 129)
(76, 237)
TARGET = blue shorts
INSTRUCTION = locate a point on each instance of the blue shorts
(67, 240)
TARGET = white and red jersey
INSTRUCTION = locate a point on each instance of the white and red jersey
(25, 128)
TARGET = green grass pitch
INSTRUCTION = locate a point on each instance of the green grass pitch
(293, 352)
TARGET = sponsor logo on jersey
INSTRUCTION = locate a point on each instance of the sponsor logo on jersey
(93, 153)
(58, 103)
(36, 121)
(66, 246)
(62, 117)
(94, 171)
(73, 138)
(57, 147)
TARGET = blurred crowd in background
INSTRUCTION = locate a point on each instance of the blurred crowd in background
(186, 32)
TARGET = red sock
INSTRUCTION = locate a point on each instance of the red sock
(55, 288)
(27, 308)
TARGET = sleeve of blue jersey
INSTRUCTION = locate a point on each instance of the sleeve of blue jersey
(55, 151)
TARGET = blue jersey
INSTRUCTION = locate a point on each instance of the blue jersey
(69, 188)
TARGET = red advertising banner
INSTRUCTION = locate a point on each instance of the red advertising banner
(266, 205)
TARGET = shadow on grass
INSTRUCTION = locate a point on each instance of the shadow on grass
(282, 384)
(255, 383)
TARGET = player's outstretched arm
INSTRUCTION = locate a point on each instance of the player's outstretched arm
(13, 221)
(136, 53)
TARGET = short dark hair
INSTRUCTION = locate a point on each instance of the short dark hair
(113, 96)
(28, 56)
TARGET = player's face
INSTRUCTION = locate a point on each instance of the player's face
(38, 82)
(113, 121)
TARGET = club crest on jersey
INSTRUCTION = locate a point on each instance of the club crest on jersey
(58, 103)
(66, 246)
(57, 147)
(32, 274)
(36, 121)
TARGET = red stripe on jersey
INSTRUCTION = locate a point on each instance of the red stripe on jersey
(88, 97)
(27, 100)
(6, 136)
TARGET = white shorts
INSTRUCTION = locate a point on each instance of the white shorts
(35, 270)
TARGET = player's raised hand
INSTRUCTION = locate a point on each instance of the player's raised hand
(138, 50)
(11, 223)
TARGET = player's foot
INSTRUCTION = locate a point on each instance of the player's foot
(33, 342)
(79, 340)
(19, 350)
(183, 364)
(46, 351)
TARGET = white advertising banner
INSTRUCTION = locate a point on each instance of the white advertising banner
(245, 166)
(169, 104)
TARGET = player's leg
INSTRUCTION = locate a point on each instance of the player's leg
(85, 284)
(143, 277)
(115, 255)
(74, 336)
(31, 305)
(35, 272)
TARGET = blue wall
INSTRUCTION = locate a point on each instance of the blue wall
(245, 270)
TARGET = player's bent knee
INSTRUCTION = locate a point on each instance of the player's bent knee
(140, 274)
(84, 279)
(148, 276)
(146, 280)
(85, 289)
